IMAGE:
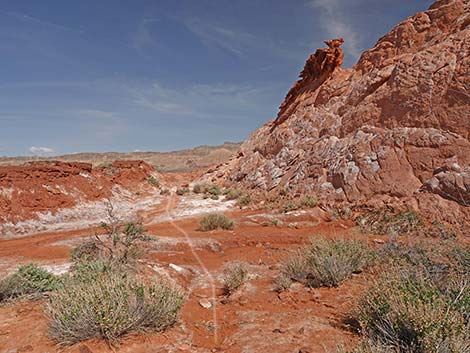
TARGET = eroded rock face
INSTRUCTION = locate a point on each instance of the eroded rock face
(385, 130)
(50, 186)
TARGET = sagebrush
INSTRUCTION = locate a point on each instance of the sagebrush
(110, 306)
(326, 263)
(235, 274)
(215, 221)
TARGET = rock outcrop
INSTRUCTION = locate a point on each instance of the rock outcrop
(50, 186)
(395, 128)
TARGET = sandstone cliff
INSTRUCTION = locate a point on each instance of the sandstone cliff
(395, 128)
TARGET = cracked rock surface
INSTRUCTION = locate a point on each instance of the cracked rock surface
(383, 131)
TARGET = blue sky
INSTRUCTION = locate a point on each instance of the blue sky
(109, 75)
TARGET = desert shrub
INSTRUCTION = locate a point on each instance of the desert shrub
(210, 190)
(308, 201)
(199, 188)
(326, 263)
(235, 274)
(85, 251)
(294, 269)
(29, 280)
(389, 222)
(421, 303)
(244, 200)
(122, 241)
(442, 231)
(233, 194)
(153, 181)
(165, 192)
(110, 306)
(213, 190)
(182, 191)
(214, 221)
(407, 310)
(90, 271)
(290, 206)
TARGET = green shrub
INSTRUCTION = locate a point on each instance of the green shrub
(290, 206)
(123, 240)
(90, 271)
(389, 222)
(199, 188)
(213, 190)
(233, 194)
(182, 191)
(326, 263)
(244, 200)
(86, 251)
(210, 190)
(308, 202)
(235, 275)
(215, 221)
(411, 309)
(109, 307)
(29, 280)
(165, 192)
(421, 303)
(153, 181)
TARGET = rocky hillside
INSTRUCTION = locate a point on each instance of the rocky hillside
(393, 129)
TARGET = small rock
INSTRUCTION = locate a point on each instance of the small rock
(379, 241)
(205, 303)
(305, 350)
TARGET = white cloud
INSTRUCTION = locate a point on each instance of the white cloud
(41, 151)
(335, 23)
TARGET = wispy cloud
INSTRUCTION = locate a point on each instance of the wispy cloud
(142, 38)
(201, 101)
(38, 21)
(335, 23)
(41, 151)
(234, 41)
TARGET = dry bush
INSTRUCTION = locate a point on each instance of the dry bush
(108, 305)
(389, 222)
(233, 194)
(123, 241)
(210, 190)
(421, 304)
(182, 191)
(214, 221)
(235, 274)
(28, 281)
(326, 263)
(308, 201)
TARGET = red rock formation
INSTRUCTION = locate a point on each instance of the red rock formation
(384, 131)
(318, 68)
(49, 186)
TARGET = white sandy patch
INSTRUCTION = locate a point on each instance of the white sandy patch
(83, 215)
(194, 205)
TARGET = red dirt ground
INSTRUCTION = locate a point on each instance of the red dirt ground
(254, 319)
